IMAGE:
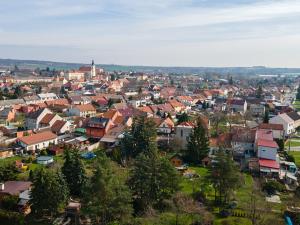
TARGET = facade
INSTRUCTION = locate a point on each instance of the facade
(286, 121)
(87, 110)
(38, 141)
(32, 121)
(182, 133)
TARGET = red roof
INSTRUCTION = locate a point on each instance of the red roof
(267, 143)
(268, 163)
(271, 126)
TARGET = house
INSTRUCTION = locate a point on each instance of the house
(74, 75)
(257, 109)
(164, 126)
(267, 149)
(80, 100)
(182, 133)
(87, 110)
(269, 167)
(295, 116)
(48, 120)
(5, 153)
(97, 127)
(44, 160)
(243, 141)
(237, 105)
(33, 99)
(14, 188)
(286, 121)
(47, 96)
(7, 115)
(277, 129)
(33, 119)
(38, 141)
(61, 127)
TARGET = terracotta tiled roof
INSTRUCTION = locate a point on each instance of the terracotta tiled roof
(271, 126)
(47, 118)
(38, 138)
(269, 163)
(58, 125)
(267, 143)
(85, 108)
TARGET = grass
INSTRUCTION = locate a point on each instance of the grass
(232, 221)
(296, 156)
(292, 143)
(9, 160)
(243, 193)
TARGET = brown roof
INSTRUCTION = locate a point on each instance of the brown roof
(38, 138)
(47, 118)
(15, 187)
(58, 125)
(85, 108)
(271, 126)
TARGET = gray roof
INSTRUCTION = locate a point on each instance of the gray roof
(11, 102)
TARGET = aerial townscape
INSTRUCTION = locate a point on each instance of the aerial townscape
(150, 112)
(90, 146)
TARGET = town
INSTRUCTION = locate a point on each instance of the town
(89, 146)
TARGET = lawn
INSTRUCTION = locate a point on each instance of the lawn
(233, 221)
(243, 193)
(296, 156)
(292, 143)
(9, 160)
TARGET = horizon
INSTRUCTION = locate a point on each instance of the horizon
(170, 33)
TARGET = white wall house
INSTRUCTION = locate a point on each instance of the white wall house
(267, 149)
(286, 121)
(38, 141)
(33, 119)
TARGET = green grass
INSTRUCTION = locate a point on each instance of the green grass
(232, 221)
(243, 193)
(292, 143)
(9, 160)
(296, 156)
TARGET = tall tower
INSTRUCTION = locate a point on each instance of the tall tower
(93, 69)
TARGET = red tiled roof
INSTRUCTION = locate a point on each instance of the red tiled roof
(268, 163)
(267, 143)
(85, 108)
(58, 125)
(47, 118)
(38, 138)
(271, 126)
(15, 187)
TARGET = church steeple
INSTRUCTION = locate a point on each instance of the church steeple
(93, 69)
(93, 63)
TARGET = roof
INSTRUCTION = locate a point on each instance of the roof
(268, 163)
(267, 143)
(186, 124)
(47, 118)
(56, 127)
(271, 126)
(264, 134)
(293, 115)
(35, 114)
(236, 101)
(86, 107)
(15, 187)
(38, 138)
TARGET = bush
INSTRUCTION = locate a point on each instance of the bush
(225, 213)
(44, 152)
(272, 186)
(9, 202)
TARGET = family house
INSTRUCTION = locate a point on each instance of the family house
(33, 119)
(237, 105)
(286, 121)
(38, 141)
(87, 110)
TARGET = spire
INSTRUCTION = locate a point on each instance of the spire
(93, 62)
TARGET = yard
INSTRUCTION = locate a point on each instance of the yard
(296, 104)
(296, 155)
(292, 143)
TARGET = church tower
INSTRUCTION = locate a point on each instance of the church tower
(93, 69)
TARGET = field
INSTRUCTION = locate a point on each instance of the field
(297, 105)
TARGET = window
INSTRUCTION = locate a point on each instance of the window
(181, 133)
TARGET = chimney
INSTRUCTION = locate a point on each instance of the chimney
(1, 186)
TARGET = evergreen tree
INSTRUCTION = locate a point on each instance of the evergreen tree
(198, 146)
(298, 93)
(230, 80)
(184, 117)
(153, 179)
(140, 138)
(74, 172)
(49, 193)
(18, 91)
(266, 116)
(224, 176)
(259, 91)
(8, 172)
(108, 199)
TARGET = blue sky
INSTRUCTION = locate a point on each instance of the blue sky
(153, 32)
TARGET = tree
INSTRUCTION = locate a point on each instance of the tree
(8, 172)
(230, 80)
(152, 180)
(74, 172)
(298, 93)
(18, 91)
(49, 193)
(266, 116)
(247, 116)
(110, 102)
(259, 91)
(140, 138)
(198, 146)
(107, 199)
(224, 176)
(216, 119)
(184, 117)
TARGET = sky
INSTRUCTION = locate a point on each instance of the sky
(153, 32)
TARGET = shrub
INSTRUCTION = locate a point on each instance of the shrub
(272, 186)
